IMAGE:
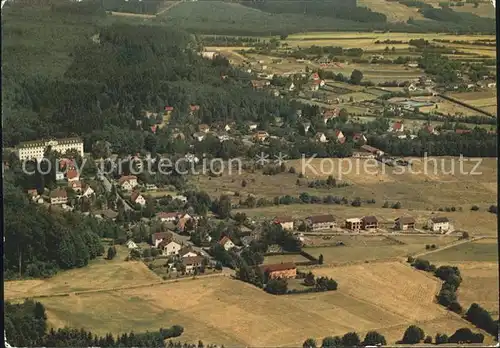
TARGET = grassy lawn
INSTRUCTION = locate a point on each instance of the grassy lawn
(284, 258)
(474, 251)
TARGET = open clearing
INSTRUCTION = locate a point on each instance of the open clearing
(99, 274)
(284, 258)
(224, 311)
(486, 250)
(431, 184)
(486, 100)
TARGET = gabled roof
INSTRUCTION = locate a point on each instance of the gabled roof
(405, 220)
(75, 184)
(331, 113)
(72, 174)
(192, 260)
(315, 76)
(194, 107)
(126, 178)
(185, 250)
(277, 267)
(397, 126)
(203, 127)
(161, 235)
(438, 220)
(135, 195)
(369, 219)
(283, 219)
(317, 219)
(169, 108)
(33, 192)
(58, 193)
(463, 131)
(225, 240)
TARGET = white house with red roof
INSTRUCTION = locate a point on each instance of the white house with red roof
(128, 182)
(397, 127)
(339, 136)
(227, 243)
(137, 198)
(315, 76)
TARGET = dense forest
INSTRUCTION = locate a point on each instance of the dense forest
(39, 242)
(342, 9)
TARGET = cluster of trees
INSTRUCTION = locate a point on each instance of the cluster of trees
(133, 6)
(474, 22)
(478, 143)
(415, 3)
(320, 283)
(26, 325)
(350, 339)
(39, 243)
(221, 40)
(330, 182)
(482, 319)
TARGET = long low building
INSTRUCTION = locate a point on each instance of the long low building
(35, 149)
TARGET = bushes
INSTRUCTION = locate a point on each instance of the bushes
(413, 335)
(465, 335)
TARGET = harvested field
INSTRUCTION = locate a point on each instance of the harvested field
(100, 274)
(394, 11)
(473, 251)
(224, 311)
(480, 285)
(485, 100)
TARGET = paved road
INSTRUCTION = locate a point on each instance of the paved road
(108, 185)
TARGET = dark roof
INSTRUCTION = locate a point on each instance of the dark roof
(277, 267)
(317, 219)
(161, 235)
(194, 260)
(282, 219)
(369, 148)
(405, 220)
(438, 220)
(186, 250)
(369, 219)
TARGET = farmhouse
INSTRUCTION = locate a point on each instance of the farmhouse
(359, 138)
(75, 185)
(438, 224)
(280, 270)
(397, 127)
(127, 183)
(321, 222)
(87, 191)
(199, 136)
(252, 126)
(306, 126)
(285, 221)
(369, 222)
(58, 196)
(330, 114)
(186, 252)
(404, 223)
(157, 238)
(353, 224)
(226, 243)
(339, 136)
(259, 84)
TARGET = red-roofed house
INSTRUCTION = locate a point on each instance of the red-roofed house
(128, 182)
(137, 198)
(397, 127)
(194, 108)
(154, 128)
(463, 131)
(169, 108)
(58, 196)
(226, 243)
(339, 136)
(280, 270)
(315, 76)
(75, 185)
(72, 175)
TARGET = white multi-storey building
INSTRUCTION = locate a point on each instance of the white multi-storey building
(35, 149)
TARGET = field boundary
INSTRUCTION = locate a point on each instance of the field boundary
(461, 103)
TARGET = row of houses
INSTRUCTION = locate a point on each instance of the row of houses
(329, 222)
